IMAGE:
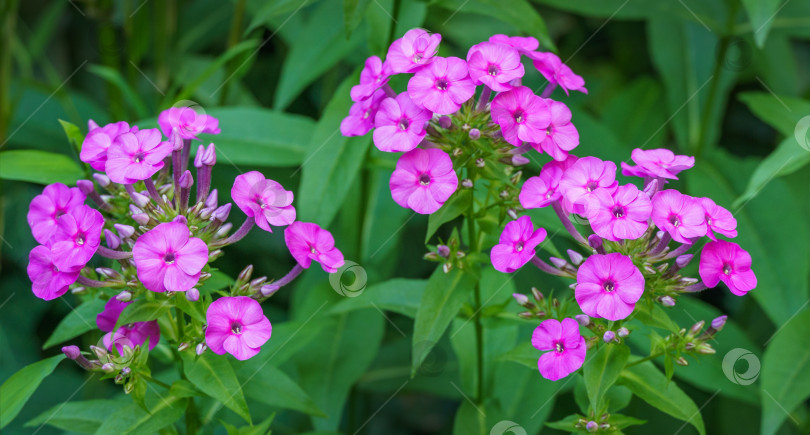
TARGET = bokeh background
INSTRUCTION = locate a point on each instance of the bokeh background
(724, 80)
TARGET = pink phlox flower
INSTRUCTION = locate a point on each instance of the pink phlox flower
(516, 245)
(622, 215)
(582, 179)
(136, 156)
(188, 122)
(542, 190)
(608, 286)
(728, 262)
(443, 86)
(236, 325)
(77, 236)
(307, 242)
(361, 115)
(657, 163)
(130, 335)
(168, 259)
(48, 281)
(560, 136)
(522, 115)
(563, 165)
(374, 75)
(718, 220)
(99, 140)
(565, 344)
(54, 201)
(555, 71)
(400, 124)
(494, 65)
(423, 180)
(679, 215)
(413, 51)
(263, 199)
(523, 44)
(107, 319)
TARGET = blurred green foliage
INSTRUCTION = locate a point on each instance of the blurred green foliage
(725, 80)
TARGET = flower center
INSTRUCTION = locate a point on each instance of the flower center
(441, 84)
(492, 70)
(609, 286)
(591, 186)
(559, 347)
(618, 211)
(674, 220)
(519, 247)
(366, 114)
(80, 239)
(169, 258)
(236, 328)
(138, 157)
(417, 57)
(424, 179)
(708, 220)
(519, 116)
(548, 131)
(727, 269)
(403, 124)
(313, 250)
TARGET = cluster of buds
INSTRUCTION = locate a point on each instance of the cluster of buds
(450, 255)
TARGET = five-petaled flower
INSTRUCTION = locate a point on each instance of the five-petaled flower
(727, 262)
(263, 199)
(423, 180)
(608, 286)
(307, 241)
(136, 156)
(400, 124)
(236, 325)
(565, 344)
(168, 259)
(516, 245)
(54, 201)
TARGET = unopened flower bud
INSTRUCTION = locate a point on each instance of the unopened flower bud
(475, 133)
(609, 336)
(696, 328)
(521, 299)
(681, 361)
(596, 243)
(526, 315)
(446, 267)
(583, 319)
(211, 201)
(126, 371)
(467, 183)
(604, 426)
(537, 295)
(134, 210)
(706, 349)
(445, 122)
(72, 352)
(213, 255)
(257, 282)
(520, 160)
(100, 353)
(180, 219)
(207, 212)
(504, 194)
(176, 140)
(719, 322)
(183, 346)
(690, 346)
(245, 274)
(193, 294)
(221, 214)
(651, 188)
(689, 281)
(111, 240)
(139, 200)
(77, 290)
(124, 296)
(592, 426)
(141, 218)
(210, 156)
(200, 348)
(558, 262)
(199, 156)
(86, 186)
(125, 231)
(480, 162)
(667, 301)
(268, 289)
(443, 251)
(186, 180)
(576, 257)
(108, 368)
(223, 230)
(457, 152)
(623, 332)
(102, 179)
(683, 260)
(512, 213)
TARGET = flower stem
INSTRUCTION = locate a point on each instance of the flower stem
(643, 360)
(184, 155)
(548, 90)
(238, 235)
(661, 245)
(547, 268)
(290, 276)
(113, 254)
(567, 223)
(87, 282)
(484, 99)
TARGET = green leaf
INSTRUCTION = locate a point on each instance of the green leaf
(567, 424)
(650, 385)
(74, 135)
(262, 11)
(398, 295)
(193, 309)
(80, 320)
(164, 410)
(781, 112)
(83, 417)
(601, 370)
(309, 56)
(259, 137)
(38, 167)
(654, 315)
(183, 388)
(453, 208)
(273, 387)
(214, 376)
(353, 12)
(192, 85)
(444, 296)
(788, 157)
(761, 13)
(17, 389)
(142, 310)
(332, 162)
(786, 372)
(520, 14)
(524, 354)
(262, 428)
(114, 77)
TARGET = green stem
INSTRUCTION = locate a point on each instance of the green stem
(233, 39)
(643, 360)
(155, 381)
(8, 12)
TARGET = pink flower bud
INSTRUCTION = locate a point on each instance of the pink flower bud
(210, 156)
(520, 160)
(207, 212)
(86, 186)
(183, 346)
(211, 201)
(124, 296)
(583, 319)
(141, 218)
(112, 241)
(186, 180)
(443, 250)
(558, 262)
(108, 368)
(198, 158)
(176, 139)
(697, 327)
(139, 200)
(102, 180)
(72, 352)
(467, 183)
(475, 133)
(683, 260)
(193, 294)
(221, 214)
(445, 122)
(667, 301)
(576, 257)
(521, 299)
(651, 188)
(609, 336)
(125, 231)
(180, 219)
(623, 332)
(134, 210)
(269, 289)
(200, 348)
(719, 322)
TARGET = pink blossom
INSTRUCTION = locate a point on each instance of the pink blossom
(562, 164)
(608, 286)
(48, 281)
(77, 236)
(413, 51)
(361, 115)
(307, 242)
(542, 190)
(516, 245)
(136, 156)
(374, 75)
(423, 180)
(621, 215)
(566, 345)
(263, 199)
(718, 219)
(236, 325)
(584, 177)
(167, 259)
(443, 86)
(494, 65)
(522, 115)
(54, 201)
(561, 135)
(679, 215)
(400, 124)
(524, 44)
(188, 122)
(555, 71)
(107, 319)
(99, 140)
(727, 262)
(131, 335)
(657, 163)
